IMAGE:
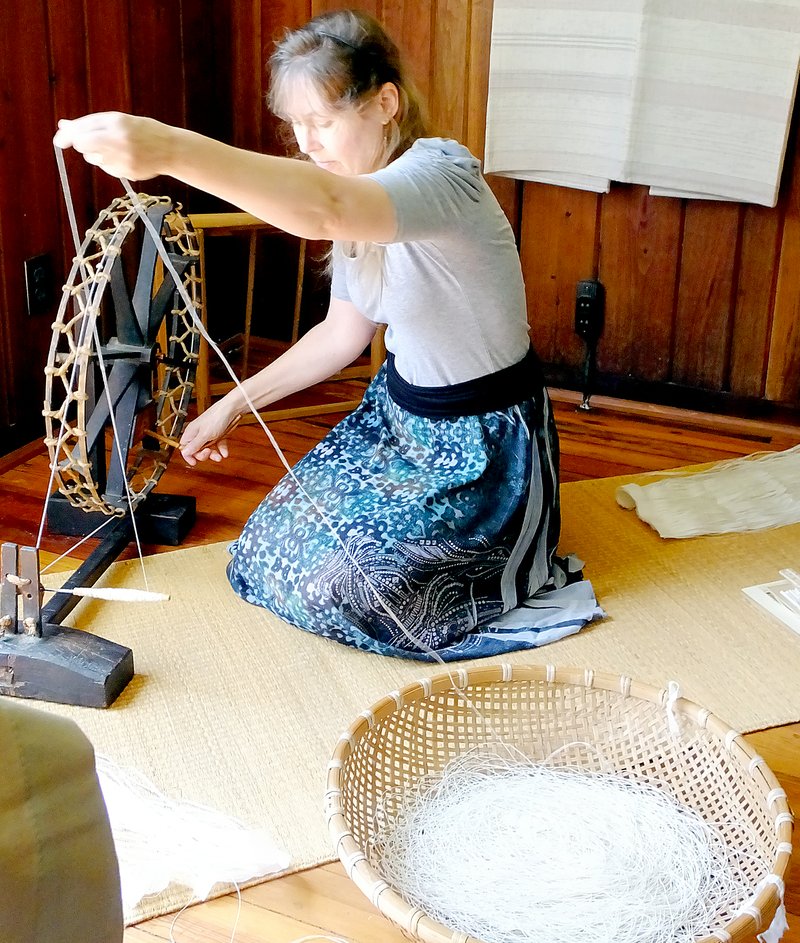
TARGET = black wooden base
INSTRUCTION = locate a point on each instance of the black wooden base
(64, 666)
(163, 519)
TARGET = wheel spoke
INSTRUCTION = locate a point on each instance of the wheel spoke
(120, 378)
(127, 327)
(145, 277)
(125, 420)
(165, 295)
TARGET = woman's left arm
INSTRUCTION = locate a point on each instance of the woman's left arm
(293, 195)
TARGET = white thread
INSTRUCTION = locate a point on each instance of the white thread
(351, 861)
(550, 673)
(625, 685)
(600, 857)
(78, 262)
(102, 274)
(99, 277)
(376, 892)
(114, 595)
(235, 922)
(778, 882)
(774, 794)
(118, 446)
(730, 737)
(784, 848)
(783, 818)
(74, 547)
(324, 938)
(754, 764)
(754, 913)
(673, 693)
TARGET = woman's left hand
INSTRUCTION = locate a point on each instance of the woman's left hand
(121, 145)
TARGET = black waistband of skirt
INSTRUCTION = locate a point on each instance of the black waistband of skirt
(507, 387)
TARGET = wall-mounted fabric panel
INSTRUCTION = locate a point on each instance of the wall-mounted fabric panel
(693, 100)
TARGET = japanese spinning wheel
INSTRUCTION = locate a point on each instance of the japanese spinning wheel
(119, 378)
(114, 415)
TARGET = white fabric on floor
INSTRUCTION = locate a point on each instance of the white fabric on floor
(750, 493)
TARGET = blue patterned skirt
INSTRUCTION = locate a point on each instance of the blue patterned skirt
(428, 534)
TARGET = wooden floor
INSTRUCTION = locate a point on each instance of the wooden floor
(612, 438)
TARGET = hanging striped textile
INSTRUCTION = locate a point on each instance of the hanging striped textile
(692, 99)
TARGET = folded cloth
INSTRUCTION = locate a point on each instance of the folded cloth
(750, 493)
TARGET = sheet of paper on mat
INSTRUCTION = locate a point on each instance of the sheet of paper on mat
(767, 596)
(744, 494)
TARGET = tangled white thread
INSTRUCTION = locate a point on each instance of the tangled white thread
(509, 851)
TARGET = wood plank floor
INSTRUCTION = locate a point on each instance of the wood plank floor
(611, 439)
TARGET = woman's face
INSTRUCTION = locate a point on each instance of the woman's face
(346, 140)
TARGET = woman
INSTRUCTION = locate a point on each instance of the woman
(427, 521)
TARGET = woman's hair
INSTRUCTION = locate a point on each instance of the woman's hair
(347, 56)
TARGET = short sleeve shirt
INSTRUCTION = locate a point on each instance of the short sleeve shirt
(449, 285)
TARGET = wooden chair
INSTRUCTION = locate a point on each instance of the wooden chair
(208, 225)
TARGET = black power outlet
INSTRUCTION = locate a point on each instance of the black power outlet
(40, 284)
(589, 310)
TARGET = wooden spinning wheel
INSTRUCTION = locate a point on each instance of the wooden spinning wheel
(119, 378)
(126, 354)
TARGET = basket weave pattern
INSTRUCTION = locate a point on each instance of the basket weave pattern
(569, 717)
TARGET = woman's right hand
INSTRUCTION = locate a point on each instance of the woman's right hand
(123, 145)
(205, 437)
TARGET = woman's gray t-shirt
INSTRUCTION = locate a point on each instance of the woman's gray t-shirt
(451, 290)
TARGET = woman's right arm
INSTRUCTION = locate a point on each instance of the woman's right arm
(324, 350)
(293, 195)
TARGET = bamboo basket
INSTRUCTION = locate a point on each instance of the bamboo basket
(640, 731)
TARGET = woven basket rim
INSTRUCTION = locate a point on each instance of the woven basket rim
(753, 919)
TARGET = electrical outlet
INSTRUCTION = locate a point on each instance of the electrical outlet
(39, 284)
(589, 309)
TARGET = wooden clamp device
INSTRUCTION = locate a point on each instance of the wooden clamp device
(40, 658)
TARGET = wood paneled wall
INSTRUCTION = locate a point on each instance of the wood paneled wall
(700, 295)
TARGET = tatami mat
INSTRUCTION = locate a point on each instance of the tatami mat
(234, 709)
